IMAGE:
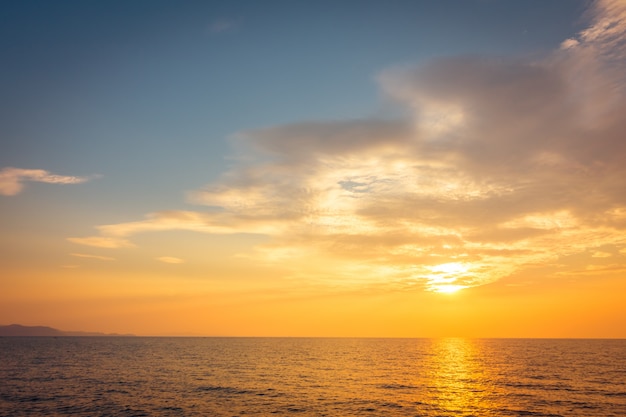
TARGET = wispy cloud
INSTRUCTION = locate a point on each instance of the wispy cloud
(102, 242)
(12, 179)
(501, 164)
(606, 31)
(115, 235)
(88, 256)
(170, 260)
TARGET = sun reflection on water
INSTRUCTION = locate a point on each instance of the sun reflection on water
(457, 377)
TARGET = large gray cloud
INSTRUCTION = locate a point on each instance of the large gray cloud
(501, 163)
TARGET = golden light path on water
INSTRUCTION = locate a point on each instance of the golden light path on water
(312, 376)
(457, 376)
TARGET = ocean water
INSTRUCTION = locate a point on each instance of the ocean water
(109, 376)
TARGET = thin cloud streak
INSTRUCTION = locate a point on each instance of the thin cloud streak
(606, 31)
(12, 179)
(502, 164)
(89, 256)
(102, 242)
(170, 260)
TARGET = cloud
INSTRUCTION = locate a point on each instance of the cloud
(500, 164)
(170, 260)
(102, 242)
(114, 235)
(12, 179)
(606, 31)
(569, 43)
(98, 257)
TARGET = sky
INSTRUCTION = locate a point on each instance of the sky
(292, 168)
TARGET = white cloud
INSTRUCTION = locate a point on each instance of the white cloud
(12, 179)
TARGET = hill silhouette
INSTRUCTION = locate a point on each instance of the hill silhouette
(19, 330)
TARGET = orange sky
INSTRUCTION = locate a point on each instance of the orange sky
(264, 301)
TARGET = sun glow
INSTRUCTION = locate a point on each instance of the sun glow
(447, 288)
(450, 268)
(444, 277)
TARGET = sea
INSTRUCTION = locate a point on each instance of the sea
(143, 376)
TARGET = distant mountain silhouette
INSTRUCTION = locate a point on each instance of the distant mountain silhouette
(19, 330)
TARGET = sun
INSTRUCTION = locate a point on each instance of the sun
(442, 277)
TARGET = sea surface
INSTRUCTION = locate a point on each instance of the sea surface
(137, 376)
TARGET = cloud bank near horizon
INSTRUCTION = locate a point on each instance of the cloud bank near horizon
(500, 164)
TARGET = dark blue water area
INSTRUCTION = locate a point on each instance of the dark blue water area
(137, 376)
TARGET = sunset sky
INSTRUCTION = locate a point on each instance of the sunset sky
(321, 168)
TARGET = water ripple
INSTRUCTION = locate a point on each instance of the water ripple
(311, 377)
